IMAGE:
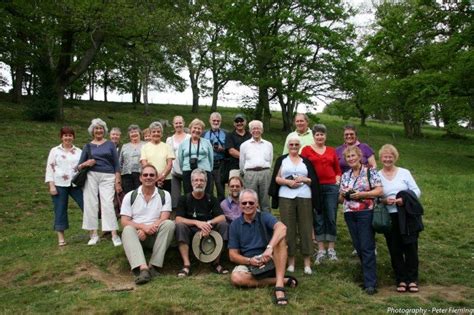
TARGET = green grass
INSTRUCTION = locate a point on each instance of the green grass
(38, 277)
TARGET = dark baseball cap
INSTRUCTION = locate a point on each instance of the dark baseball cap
(239, 116)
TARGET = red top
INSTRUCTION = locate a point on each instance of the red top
(326, 164)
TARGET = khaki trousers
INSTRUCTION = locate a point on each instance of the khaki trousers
(159, 243)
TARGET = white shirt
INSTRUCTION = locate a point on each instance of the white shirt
(401, 181)
(174, 144)
(61, 165)
(287, 169)
(255, 154)
(142, 212)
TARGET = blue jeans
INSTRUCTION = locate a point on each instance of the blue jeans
(60, 202)
(325, 222)
(362, 234)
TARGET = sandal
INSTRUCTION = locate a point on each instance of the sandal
(185, 271)
(292, 282)
(280, 301)
(402, 287)
(413, 287)
(217, 268)
(62, 243)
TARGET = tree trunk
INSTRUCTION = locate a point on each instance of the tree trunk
(91, 85)
(215, 93)
(145, 90)
(106, 83)
(18, 82)
(194, 89)
(60, 99)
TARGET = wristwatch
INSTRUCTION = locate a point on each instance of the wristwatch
(269, 246)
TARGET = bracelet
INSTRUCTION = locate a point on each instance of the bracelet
(269, 246)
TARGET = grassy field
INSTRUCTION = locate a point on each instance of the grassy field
(38, 277)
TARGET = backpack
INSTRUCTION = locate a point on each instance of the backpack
(135, 194)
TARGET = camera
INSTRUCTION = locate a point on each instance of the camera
(347, 194)
(193, 163)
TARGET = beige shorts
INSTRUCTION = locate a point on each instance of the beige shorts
(241, 268)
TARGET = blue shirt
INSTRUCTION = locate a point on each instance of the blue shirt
(105, 156)
(205, 157)
(247, 237)
(216, 138)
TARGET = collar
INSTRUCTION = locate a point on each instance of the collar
(357, 143)
(255, 141)
(304, 133)
(253, 220)
(140, 191)
(60, 147)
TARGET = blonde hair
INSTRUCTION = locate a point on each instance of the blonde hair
(389, 148)
(197, 121)
(351, 149)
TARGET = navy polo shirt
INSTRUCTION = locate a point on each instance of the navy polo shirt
(247, 237)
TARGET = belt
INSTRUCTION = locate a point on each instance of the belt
(257, 169)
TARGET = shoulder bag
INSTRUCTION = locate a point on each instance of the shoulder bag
(79, 180)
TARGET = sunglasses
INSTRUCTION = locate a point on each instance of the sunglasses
(250, 203)
(239, 120)
(148, 175)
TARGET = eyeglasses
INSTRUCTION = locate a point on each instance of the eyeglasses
(238, 121)
(294, 144)
(250, 203)
(148, 175)
(349, 135)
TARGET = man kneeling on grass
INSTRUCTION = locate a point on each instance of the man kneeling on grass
(256, 241)
(145, 217)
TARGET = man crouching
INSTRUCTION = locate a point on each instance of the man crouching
(145, 217)
(255, 239)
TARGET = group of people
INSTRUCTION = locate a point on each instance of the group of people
(169, 194)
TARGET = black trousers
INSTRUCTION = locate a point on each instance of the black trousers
(404, 257)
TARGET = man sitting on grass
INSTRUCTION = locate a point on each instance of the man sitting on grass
(198, 212)
(145, 218)
(256, 238)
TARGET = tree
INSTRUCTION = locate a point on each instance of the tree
(289, 50)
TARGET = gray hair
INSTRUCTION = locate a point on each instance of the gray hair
(156, 125)
(294, 138)
(319, 128)
(197, 172)
(248, 191)
(97, 122)
(255, 123)
(215, 114)
(133, 127)
(302, 114)
(116, 129)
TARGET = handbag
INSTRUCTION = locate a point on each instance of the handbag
(79, 180)
(381, 221)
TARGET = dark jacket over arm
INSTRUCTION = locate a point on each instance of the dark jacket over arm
(316, 194)
(409, 216)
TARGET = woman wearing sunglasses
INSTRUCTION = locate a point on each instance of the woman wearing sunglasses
(295, 190)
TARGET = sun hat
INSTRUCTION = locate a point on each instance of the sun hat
(207, 249)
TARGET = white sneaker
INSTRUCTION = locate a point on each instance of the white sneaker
(290, 268)
(319, 257)
(332, 254)
(94, 240)
(307, 270)
(117, 241)
(354, 252)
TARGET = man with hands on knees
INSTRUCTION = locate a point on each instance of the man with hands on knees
(198, 212)
(255, 240)
(145, 216)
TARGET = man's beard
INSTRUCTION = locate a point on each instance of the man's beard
(198, 189)
(235, 194)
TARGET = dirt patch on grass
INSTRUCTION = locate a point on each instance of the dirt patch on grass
(114, 281)
(452, 293)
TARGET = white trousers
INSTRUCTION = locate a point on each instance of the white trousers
(102, 184)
